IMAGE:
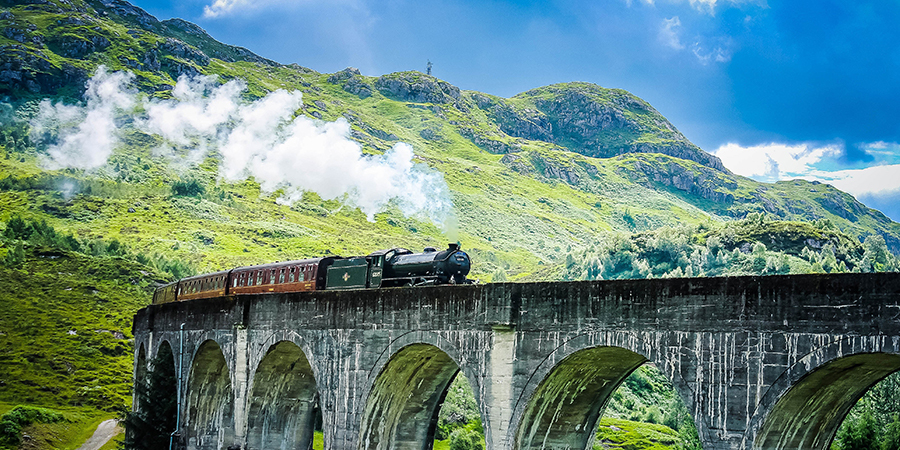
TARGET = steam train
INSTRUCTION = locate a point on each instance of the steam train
(385, 268)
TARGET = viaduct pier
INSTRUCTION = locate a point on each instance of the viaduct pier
(761, 362)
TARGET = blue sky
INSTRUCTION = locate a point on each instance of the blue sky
(779, 90)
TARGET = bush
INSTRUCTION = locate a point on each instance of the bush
(17, 229)
(12, 422)
(467, 438)
(15, 256)
(190, 188)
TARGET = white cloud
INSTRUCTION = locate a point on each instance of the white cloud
(669, 33)
(704, 6)
(774, 162)
(875, 180)
(717, 54)
(701, 5)
(222, 7)
(710, 6)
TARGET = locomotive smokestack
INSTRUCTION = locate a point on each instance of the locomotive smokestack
(453, 246)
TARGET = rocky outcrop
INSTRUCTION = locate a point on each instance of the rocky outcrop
(517, 163)
(432, 133)
(418, 87)
(352, 81)
(524, 123)
(488, 142)
(696, 180)
(555, 169)
(354, 119)
(184, 51)
(842, 205)
(131, 13)
(75, 46)
(22, 68)
(528, 163)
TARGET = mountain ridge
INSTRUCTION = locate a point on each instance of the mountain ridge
(604, 154)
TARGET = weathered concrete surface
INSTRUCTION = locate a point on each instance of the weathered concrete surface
(761, 362)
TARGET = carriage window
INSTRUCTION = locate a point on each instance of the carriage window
(291, 276)
(259, 277)
(250, 278)
(281, 276)
(272, 277)
(235, 282)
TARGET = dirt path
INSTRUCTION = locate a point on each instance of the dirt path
(105, 431)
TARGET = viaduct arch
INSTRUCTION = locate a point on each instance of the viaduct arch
(761, 362)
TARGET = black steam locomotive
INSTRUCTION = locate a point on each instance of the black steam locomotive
(385, 268)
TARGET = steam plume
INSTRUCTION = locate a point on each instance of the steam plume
(262, 139)
(83, 136)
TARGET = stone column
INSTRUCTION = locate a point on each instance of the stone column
(241, 369)
(499, 399)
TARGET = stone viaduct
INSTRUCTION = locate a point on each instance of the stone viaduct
(761, 362)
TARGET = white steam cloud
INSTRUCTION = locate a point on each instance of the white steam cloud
(262, 139)
(83, 136)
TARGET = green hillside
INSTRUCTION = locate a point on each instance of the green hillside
(530, 177)
(569, 181)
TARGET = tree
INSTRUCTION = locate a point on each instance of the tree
(16, 228)
(151, 424)
(891, 438)
(861, 434)
(15, 256)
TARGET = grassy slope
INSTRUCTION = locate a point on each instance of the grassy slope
(65, 340)
(65, 329)
(78, 426)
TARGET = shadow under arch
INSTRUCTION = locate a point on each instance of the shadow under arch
(564, 410)
(282, 400)
(808, 415)
(210, 400)
(140, 376)
(402, 407)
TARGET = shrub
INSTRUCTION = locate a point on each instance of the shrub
(12, 422)
(190, 188)
(16, 228)
(466, 439)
